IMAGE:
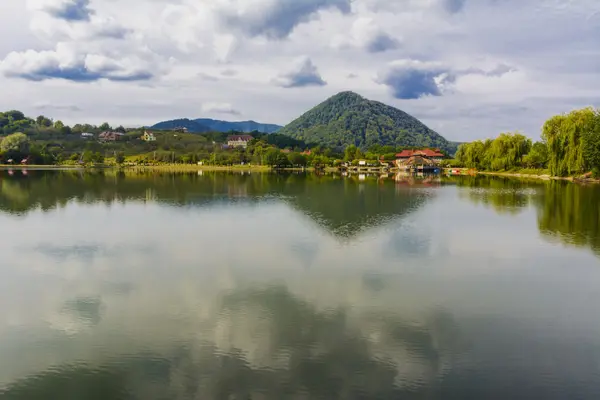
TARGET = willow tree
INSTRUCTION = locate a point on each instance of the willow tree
(507, 151)
(591, 146)
(471, 154)
(566, 135)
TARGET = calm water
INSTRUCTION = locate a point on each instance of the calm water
(259, 286)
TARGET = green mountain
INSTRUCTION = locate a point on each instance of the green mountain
(349, 119)
(192, 126)
(201, 125)
(241, 126)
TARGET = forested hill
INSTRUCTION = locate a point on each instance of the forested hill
(350, 119)
(241, 126)
(192, 126)
(205, 125)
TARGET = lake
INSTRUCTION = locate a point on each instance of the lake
(266, 286)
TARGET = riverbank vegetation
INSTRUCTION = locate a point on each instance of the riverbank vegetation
(569, 146)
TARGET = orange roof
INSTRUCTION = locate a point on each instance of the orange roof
(423, 152)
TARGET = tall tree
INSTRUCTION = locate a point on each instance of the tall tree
(17, 142)
(43, 122)
(564, 135)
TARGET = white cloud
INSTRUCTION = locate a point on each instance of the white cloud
(367, 34)
(67, 62)
(498, 56)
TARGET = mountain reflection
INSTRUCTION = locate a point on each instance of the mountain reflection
(344, 207)
(269, 344)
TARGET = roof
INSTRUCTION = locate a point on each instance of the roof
(245, 138)
(417, 160)
(423, 152)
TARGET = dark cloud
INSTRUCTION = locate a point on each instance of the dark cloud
(454, 6)
(77, 73)
(412, 80)
(71, 10)
(279, 19)
(305, 74)
(58, 107)
(382, 42)
(112, 32)
(220, 108)
(499, 70)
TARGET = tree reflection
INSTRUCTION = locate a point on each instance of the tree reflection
(570, 213)
(504, 195)
(344, 207)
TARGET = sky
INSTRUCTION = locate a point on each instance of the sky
(469, 69)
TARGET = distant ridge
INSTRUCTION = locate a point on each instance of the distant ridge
(201, 125)
(350, 119)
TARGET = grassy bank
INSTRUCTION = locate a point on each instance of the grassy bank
(541, 174)
(193, 168)
(52, 166)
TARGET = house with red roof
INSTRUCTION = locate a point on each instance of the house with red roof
(423, 157)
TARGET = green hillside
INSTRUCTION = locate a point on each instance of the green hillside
(349, 119)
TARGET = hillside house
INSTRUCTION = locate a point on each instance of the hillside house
(110, 136)
(239, 141)
(148, 137)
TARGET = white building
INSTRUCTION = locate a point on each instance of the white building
(239, 140)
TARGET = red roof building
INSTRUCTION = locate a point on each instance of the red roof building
(429, 153)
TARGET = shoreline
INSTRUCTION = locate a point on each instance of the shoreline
(262, 168)
(545, 177)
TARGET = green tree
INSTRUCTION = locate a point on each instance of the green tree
(15, 143)
(120, 157)
(538, 156)
(88, 157)
(43, 122)
(591, 146)
(564, 135)
(59, 125)
(14, 115)
(4, 120)
(297, 160)
(272, 157)
(105, 127)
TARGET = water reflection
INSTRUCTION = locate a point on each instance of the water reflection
(345, 207)
(269, 344)
(504, 195)
(570, 213)
(266, 286)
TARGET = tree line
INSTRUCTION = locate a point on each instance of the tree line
(44, 141)
(569, 145)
